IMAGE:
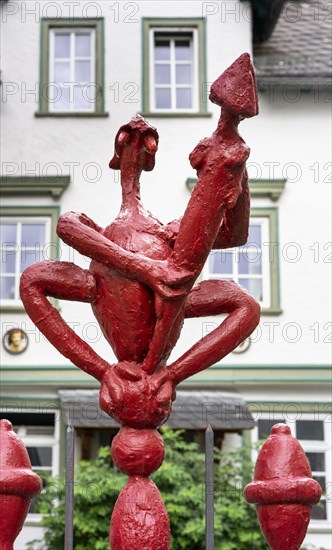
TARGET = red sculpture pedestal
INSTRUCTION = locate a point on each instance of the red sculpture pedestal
(139, 508)
(18, 485)
(283, 490)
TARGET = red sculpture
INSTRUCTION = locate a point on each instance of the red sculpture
(18, 485)
(283, 490)
(140, 286)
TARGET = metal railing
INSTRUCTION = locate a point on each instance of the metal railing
(209, 488)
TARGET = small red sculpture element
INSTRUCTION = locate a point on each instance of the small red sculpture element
(18, 485)
(283, 490)
(140, 285)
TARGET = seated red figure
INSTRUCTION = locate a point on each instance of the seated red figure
(140, 284)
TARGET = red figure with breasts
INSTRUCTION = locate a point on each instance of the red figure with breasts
(140, 285)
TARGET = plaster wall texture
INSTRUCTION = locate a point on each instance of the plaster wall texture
(292, 134)
(53, 145)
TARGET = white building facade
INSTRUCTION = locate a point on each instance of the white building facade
(73, 73)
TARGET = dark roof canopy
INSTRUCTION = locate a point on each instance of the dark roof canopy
(299, 48)
(192, 410)
(265, 16)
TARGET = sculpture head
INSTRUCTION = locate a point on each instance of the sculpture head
(236, 90)
(141, 140)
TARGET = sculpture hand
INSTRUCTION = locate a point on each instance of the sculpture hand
(134, 398)
(168, 280)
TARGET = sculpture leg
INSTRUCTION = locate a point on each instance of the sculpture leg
(139, 520)
(214, 298)
(65, 281)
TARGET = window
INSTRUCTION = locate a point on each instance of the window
(72, 67)
(174, 73)
(174, 67)
(253, 265)
(72, 70)
(25, 239)
(246, 264)
(40, 434)
(314, 435)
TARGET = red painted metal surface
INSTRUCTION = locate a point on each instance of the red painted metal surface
(140, 285)
(18, 485)
(283, 490)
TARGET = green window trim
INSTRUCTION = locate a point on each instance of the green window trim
(46, 26)
(272, 189)
(52, 212)
(71, 115)
(272, 214)
(267, 406)
(11, 186)
(167, 22)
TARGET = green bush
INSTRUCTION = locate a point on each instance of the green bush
(181, 483)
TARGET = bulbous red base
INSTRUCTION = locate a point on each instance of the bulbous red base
(140, 520)
(13, 511)
(138, 452)
(284, 525)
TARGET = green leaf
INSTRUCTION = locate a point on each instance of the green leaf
(181, 483)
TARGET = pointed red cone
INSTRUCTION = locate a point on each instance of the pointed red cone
(283, 490)
(18, 485)
(236, 88)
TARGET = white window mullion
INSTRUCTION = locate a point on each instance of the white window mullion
(236, 259)
(173, 74)
(72, 71)
(152, 93)
(18, 261)
(51, 65)
(195, 91)
(266, 279)
(56, 447)
(93, 58)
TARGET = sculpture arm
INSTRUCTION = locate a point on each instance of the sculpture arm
(78, 231)
(66, 281)
(220, 165)
(214, 298)
(234, 228)
(172, 230)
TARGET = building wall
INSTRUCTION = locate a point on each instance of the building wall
(289, 140)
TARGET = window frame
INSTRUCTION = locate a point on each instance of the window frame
(169, 34)
(47, 30)
(93, 76)
(174, 25)
(270, 260)
(308, 446)
(235, 254)
(50, 213)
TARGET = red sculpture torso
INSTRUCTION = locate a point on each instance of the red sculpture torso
(124, 307)
(140, 285)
